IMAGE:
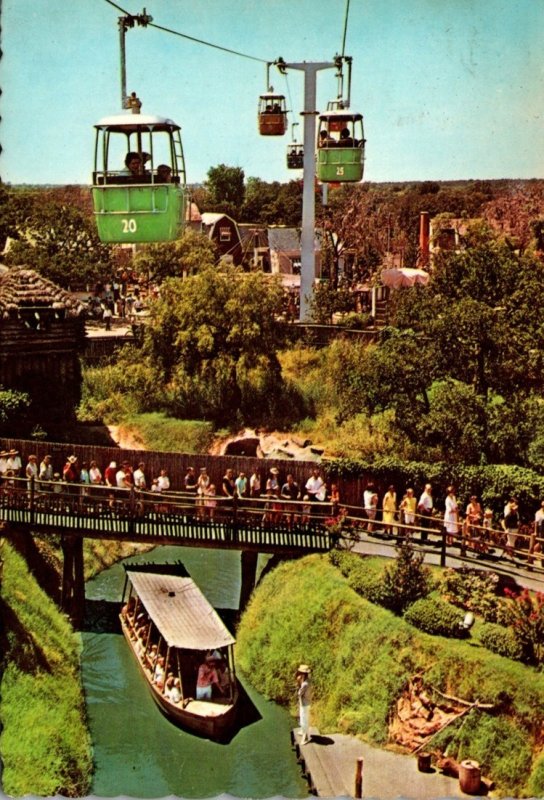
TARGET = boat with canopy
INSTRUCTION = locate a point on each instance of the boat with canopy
(180, 644)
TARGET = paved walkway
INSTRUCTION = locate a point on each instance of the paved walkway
(380, 544)
(330, 762)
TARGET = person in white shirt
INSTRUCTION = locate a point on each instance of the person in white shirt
(14, 463)
(163, 481)
(315, 486)
(139, 477)
(425, 510)
(3, 464)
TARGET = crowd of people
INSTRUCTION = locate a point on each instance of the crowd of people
(287, 501)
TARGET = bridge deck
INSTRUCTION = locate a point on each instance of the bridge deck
(171, 519)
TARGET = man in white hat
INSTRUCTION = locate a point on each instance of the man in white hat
(14, 463)
(3, 464)
(304, 696)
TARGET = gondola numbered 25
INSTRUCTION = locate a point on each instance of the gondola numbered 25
(340, 147)
(139, 185)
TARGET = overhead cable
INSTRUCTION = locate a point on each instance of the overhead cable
(192, 38)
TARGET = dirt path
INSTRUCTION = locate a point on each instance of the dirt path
(125, 439)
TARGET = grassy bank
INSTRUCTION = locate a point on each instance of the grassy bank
(45, 745)
(363, 655)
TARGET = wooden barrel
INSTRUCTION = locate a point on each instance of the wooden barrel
(424, 762)
(469, 777)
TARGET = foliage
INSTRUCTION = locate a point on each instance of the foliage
(406, 580)
(57, 240)
(483, 303)
(525, 615)
(435, 617)
(129, 385)
(474, 590)
(45, 745)
(208, 333)
(364, 575)
(356, 321)
(394, 586)
(501, 640)
(500, 745)
(186, 256)
(272, 203)
(226, 190)
(361, 657)
(161, 433)
(326, 300)
(13, 405)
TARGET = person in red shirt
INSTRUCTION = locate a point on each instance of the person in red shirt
(207, 678)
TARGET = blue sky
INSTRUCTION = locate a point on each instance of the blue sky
(450, 89)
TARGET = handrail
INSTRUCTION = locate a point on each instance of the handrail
(31, 500)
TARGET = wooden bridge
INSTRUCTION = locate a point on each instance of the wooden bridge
(262, 525)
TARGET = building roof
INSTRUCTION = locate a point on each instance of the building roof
(285, 239)
(211, 218)
(183, 616)
(288, 239)
(21, 287)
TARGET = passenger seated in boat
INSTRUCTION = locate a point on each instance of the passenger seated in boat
(207, 678)
(140, 647)
(128, 609)
(172, 689)
(158, 674)
(151, 656)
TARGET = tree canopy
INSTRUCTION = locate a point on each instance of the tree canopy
(178, 259)
(214, 338)
(58, 240)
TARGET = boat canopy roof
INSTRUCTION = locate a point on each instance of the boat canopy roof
(181, 613)
(131, 123)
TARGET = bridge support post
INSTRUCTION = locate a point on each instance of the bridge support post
(73, 583)
(249, 573)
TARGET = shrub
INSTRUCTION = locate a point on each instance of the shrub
(525, 615)
(364, 575)
(405, 581)
(501, 641)
(356, 321)
(435, 617)
(474, 590)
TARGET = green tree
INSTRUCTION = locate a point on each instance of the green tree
(208, 332)
(189, 254)
(13, 408)
(57, 240)
(481, 308)
(226, 190)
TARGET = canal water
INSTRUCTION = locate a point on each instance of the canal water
(137, 751)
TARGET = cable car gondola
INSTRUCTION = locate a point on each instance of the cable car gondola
(139, 185)
(295, 152)
(272, 115)
(340, 146)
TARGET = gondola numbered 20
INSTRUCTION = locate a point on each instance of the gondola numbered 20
(139, 185)
(340, 146)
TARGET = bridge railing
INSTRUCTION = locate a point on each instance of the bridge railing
(98, 507)
(524, 547)
(34, 501)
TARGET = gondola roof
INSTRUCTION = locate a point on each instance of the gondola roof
(129, 123)
(181, 613)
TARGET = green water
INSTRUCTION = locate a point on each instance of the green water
(137, 751)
